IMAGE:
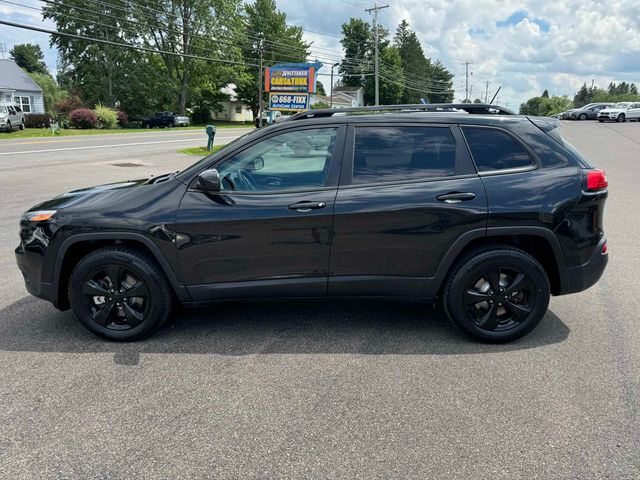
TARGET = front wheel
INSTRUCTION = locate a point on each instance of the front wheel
(621, 118)
(119, 293)
(497, 295)
(601, 120)
(583, 116)
(22, 125)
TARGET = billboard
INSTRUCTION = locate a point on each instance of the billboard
(290, 79)
(288, 102)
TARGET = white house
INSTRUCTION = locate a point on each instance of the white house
(233, 110)
(354, 96)
(337, 102)
(17, 87)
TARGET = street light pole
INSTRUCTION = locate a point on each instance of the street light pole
(331, 98)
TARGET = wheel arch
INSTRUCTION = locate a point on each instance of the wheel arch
(78, 246)
(538, 242)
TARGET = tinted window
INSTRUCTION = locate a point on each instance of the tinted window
(495, 150)
(384, 154)
(289, 161)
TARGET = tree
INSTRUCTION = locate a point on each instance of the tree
(357, 43)
(29, 57)
(51, 91)
(320, 89)
(582, 96)
(267, 31)
(392, 81)
(424, 79)
(187, 28)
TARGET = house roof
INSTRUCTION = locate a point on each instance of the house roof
(13, 77)
(347, 89)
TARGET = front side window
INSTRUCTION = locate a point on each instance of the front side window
(290, 161)
(389, 154)
(493, 149)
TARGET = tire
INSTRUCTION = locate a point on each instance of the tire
(583, 116)
(117, 313)
(621, 118)
(22, 127)
(9, 127)
(490, 314)
(600, 120)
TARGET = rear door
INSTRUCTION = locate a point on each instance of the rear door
(407, 193)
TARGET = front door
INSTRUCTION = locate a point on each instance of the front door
(268, 233)
(406, 194)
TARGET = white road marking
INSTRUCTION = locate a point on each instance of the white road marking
(89, 147)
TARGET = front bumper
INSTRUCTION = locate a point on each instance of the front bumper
(578, 279)
(30, 265)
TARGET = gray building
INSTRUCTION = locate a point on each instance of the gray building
(17, 87)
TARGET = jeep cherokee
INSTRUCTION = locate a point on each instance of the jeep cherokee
(489, 214)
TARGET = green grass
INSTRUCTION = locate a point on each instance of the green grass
(200, 151)
(70, 132)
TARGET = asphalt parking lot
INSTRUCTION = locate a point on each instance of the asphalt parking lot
(320, 389)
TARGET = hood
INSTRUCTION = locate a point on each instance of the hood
(612, 110)
(100, 194)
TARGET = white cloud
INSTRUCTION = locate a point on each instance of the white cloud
(547, 44)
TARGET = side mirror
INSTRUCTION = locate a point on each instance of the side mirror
(209, 181)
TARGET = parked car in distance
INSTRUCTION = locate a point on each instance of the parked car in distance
(588, 112)
(166, 119)
(268, 118)
(566, 115)
(486, 214)
(11, 118)
(617, 112)
(633, 114)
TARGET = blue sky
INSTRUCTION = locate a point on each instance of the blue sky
(525, 46)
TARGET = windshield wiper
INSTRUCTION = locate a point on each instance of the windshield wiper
(163, 177)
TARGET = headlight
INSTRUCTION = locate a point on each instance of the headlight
(38, 215)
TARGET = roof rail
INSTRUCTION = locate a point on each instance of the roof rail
(471, 108)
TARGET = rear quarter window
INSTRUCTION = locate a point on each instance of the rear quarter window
(494, 150)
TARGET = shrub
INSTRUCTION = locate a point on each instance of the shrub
(83, 118)
(123, 118)
(37, 120)
(106, 117)
(66, 106)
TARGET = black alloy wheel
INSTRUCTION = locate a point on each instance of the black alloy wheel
(497, 295)
(499, 299)
(120, 293)
(116, 297)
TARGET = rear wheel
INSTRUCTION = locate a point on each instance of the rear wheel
(119, 294)
(497, 295)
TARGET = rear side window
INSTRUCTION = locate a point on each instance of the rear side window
(495, 150)
(388, 154)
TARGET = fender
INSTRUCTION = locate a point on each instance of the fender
(433, 284)
(181, 291)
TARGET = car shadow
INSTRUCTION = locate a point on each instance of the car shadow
(250, 328)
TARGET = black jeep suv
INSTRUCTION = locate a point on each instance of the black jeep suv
(489, 214)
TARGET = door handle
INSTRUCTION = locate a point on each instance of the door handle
(307, 206)
(456, 197)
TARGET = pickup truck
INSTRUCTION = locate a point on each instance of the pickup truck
(11, 118)
(166, 119)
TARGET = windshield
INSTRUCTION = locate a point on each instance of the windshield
(622, 105)
(187, 172)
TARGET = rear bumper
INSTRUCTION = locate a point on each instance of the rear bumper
(578, 279)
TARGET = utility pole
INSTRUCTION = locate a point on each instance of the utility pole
(375, 10)
(260, 86)
(466, 89)
(3, 49)
(331, 98)
(486, 92)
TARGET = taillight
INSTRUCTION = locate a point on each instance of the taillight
(596, 180)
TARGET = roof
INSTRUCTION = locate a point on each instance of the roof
(346, 89)
(13, 77)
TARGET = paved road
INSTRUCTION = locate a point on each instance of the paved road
(323, 390)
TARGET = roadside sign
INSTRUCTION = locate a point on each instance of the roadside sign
(285, 102)
(290, 79)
